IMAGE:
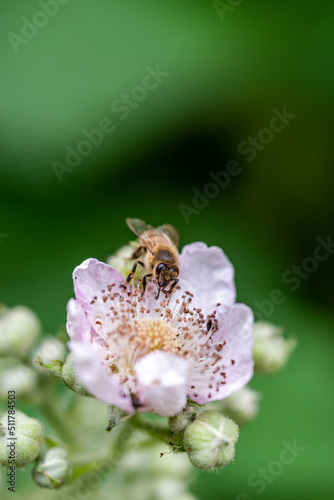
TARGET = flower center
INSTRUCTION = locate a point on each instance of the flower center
(155, 333)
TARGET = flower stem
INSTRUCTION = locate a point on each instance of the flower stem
(158, 432)
(59, 423)
(82, 469)
(84, 465)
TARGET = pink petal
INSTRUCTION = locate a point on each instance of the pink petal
(77, 325)
(161, 382)
(208, 274)
(94, 377)
(79, 328)
(91, 278)
(94, 283)
(235, 327)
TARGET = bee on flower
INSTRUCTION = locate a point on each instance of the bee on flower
(140, 353)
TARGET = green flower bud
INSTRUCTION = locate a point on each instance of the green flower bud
(122, 260)
(69, 377)
(210, 440)
(242, 405)
(29, 434)
(53, 468)
(141, 475)
(271, 350)
(179, 422)
(48, 351)
(18, 378)
(19, 329)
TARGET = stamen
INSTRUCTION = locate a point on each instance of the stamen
(131, 326)
(155, 333)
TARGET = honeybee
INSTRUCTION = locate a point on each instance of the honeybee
(158, 247)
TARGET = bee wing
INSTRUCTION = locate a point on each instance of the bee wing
(139, 227)
(171, 232)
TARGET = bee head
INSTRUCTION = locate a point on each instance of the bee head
(165, 274)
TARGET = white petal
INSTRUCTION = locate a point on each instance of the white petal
(236, 328)
(94, 377)
(161, 382)
(208, 274)
(91, 277)
(77, 325)
(234, 343)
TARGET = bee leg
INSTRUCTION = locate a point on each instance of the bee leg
(159, 288)
(134, 267)
(138, 252)
(175, 282)
(145, 280)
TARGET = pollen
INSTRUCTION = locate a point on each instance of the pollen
(156, 333)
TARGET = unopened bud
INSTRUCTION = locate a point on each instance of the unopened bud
(179, 422)
(242, 405)
(210, 440)
(53, 469)
(48, 351)
(18, 378)
(69, 377)
(19, 329)
(122, 259)
(29, 434)
(271, 350)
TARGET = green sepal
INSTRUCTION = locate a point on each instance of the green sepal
(56, 367)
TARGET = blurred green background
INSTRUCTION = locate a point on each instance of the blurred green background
(226, 69)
